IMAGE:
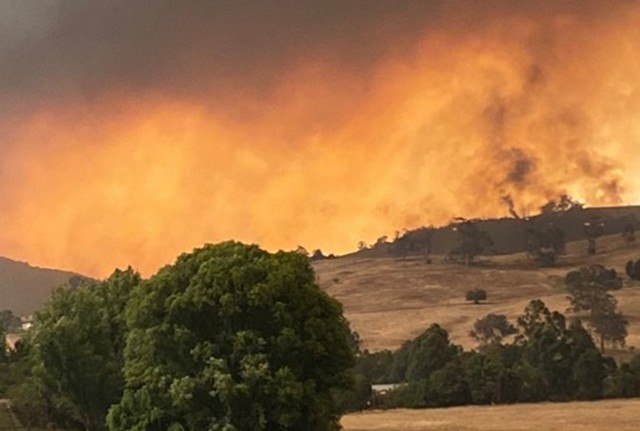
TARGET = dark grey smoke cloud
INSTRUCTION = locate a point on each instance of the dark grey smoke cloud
(149, 126)
(84, 48)
(57, 50)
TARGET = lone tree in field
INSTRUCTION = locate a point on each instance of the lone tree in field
(633, 269)
(302, 250)
(476, 295)
(545, 245)
(610, 326)
(629, 233)
(562, 204)
(471, 240)
(593, 230)
(404, 245)
(492, 328)
(318, 255)
(589, 290)
(231, 337)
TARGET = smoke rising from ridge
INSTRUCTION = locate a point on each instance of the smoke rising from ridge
(136, 130)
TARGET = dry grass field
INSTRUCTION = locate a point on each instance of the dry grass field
(613, 415)
(389, 300)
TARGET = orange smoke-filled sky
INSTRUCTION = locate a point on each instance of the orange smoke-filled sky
(134, 131)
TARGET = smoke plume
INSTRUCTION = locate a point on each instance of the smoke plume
(133, 131)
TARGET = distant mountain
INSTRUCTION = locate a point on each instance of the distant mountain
(25, 288)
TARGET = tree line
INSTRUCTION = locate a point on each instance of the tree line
(543, 241)
(548, 359)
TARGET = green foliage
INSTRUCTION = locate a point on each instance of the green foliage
(231, 337)
(545, 245)
(447, 386)
(589, 375)
(536, 314)
(635, 364)
(355, 398)
(412, 395)
(593, 230)
(492, 328)
(629, 233)
(562, 204)
(471, 241)
(622, 383)
(481, 375)
(589, 289)
(417, 362)
(476, 295)
(10, 322)
(551, 351)
(425, 354)
(548, 360)
(377, 367)
(610, 326)
(3, 344)
(404, 245)
(77, 348)
(490, 374)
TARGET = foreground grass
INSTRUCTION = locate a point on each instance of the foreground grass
(618, 415)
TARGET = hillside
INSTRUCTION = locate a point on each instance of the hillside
(509, 235)
(25, 288)
(389, 300)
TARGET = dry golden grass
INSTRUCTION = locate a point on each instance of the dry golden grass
(614, 415)
(389, 301)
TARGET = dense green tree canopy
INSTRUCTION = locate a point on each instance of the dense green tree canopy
(77, 348)
(231, 337)
(417, 359)
(549, 359)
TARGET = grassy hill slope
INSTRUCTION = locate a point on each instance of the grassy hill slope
(390, 300)
(25, 288)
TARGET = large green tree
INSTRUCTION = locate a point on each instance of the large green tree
(544, 245)
(556, 357)
(77, 348)
(231, 337)
(417, 359)
(589, 290)
(472, 241)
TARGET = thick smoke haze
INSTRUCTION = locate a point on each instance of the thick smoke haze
(133, 131)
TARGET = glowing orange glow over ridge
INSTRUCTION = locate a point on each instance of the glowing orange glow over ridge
(525, 108)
